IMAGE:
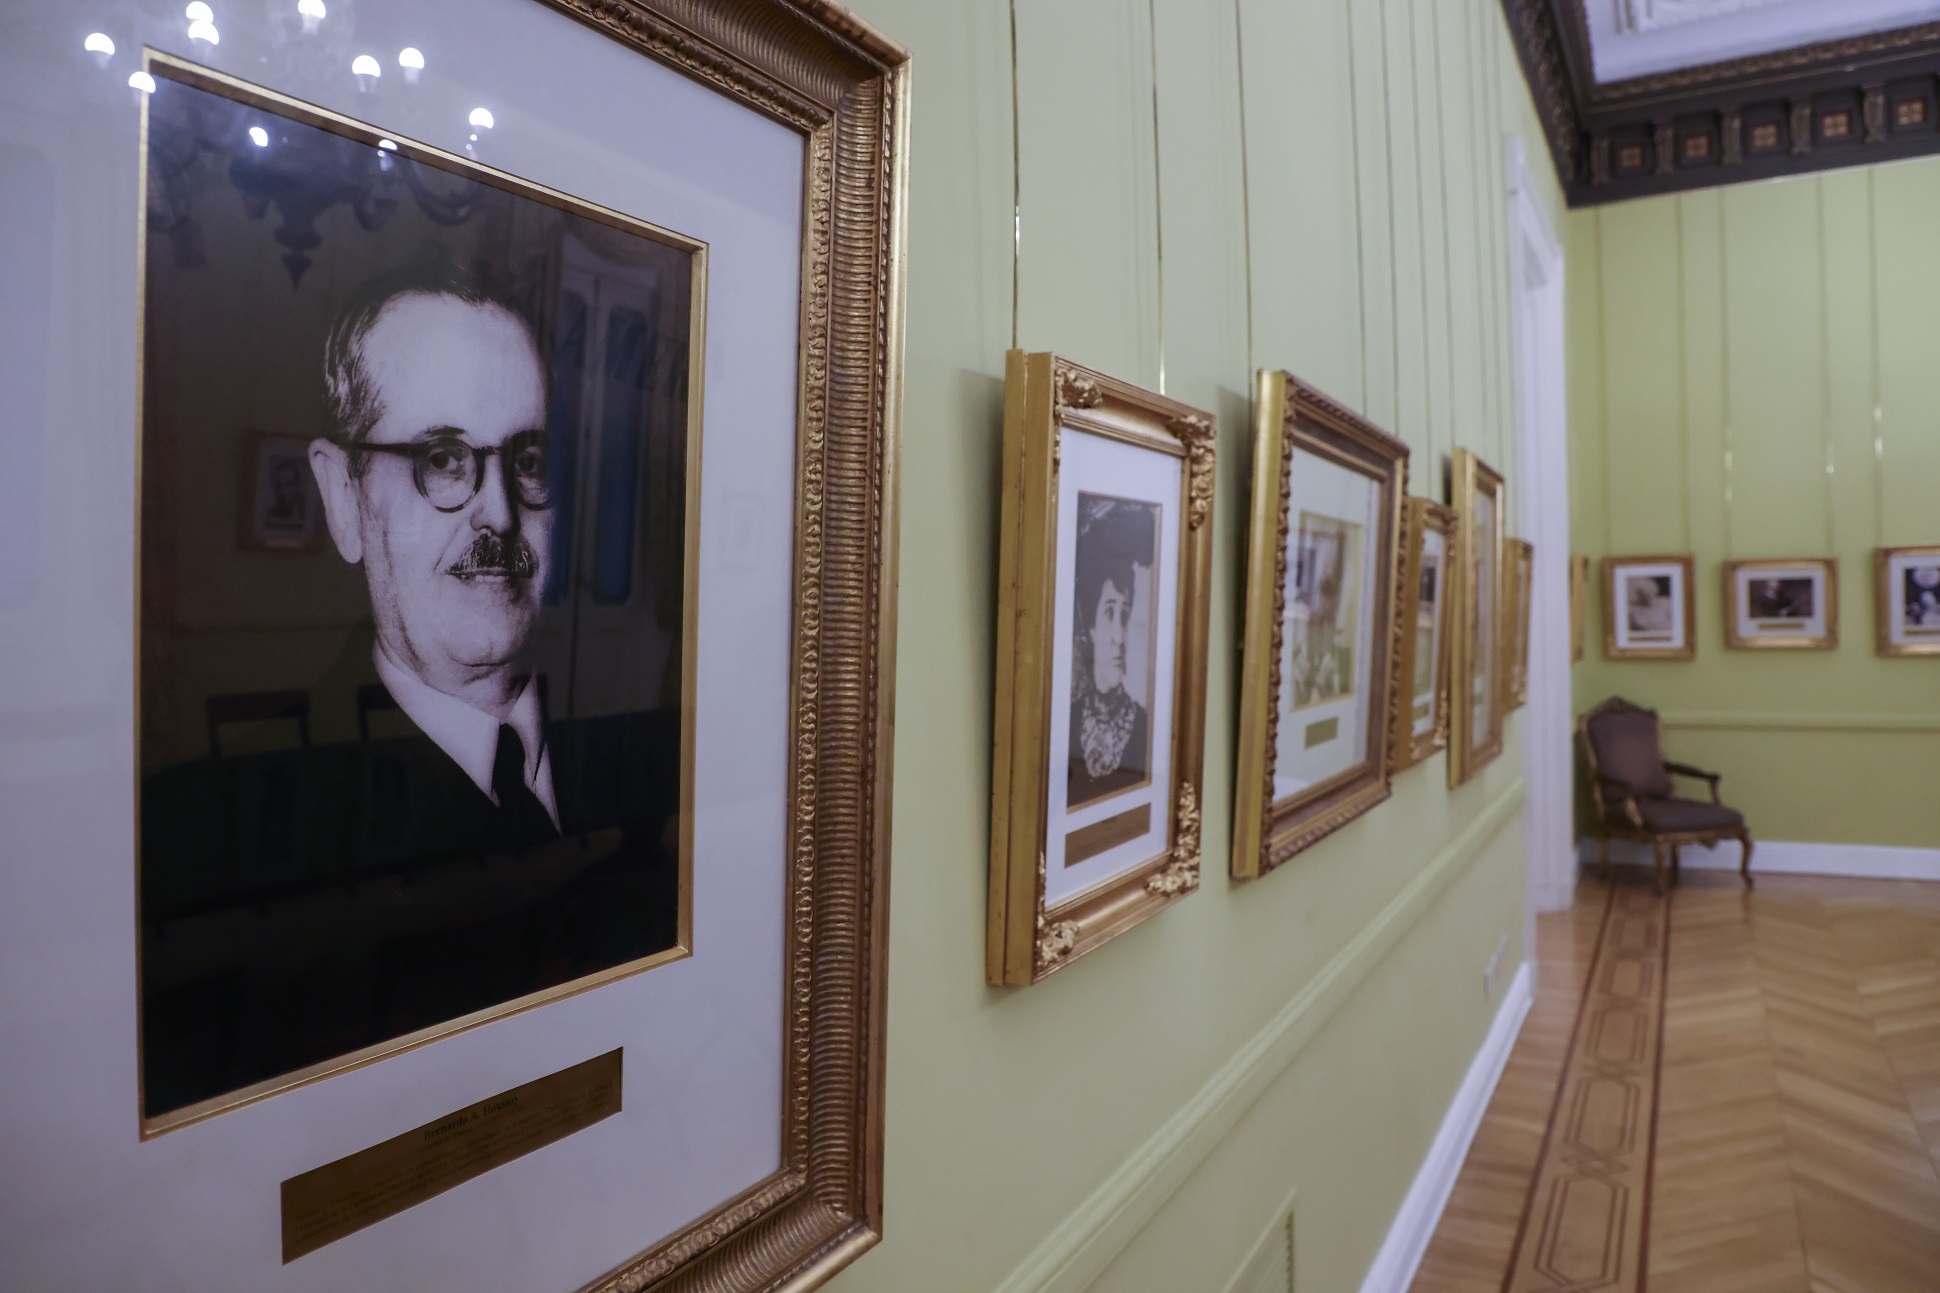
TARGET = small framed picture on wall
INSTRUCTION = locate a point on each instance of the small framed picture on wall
(1478, 673)
(1104, 585)
(1579, 602)
(1317, 688)
(1520, 577)
(1906, 591)
(1782, 604)
(1421, 710)
(1648, 608)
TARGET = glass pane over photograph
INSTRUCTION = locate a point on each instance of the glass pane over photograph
(1326, 655)
(415, 537)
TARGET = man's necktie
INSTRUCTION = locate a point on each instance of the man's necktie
(525, 817)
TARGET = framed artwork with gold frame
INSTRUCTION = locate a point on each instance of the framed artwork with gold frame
(1103, 597)
(1317, 681)
(1579, 603)
(1421, 645)
(1649, 608)
(1518, 579)
(1906, 600)
(1478, 675)
(553, 730)
(1782, 604)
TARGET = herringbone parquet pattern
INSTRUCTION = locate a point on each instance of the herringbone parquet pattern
(1798, 1139)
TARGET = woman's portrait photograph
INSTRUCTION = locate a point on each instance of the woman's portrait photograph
(1325, 611)
(1906, 592)
(1111, 666)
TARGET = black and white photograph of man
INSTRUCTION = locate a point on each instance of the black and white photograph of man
(1780, 599)
(1111, 681)
(429, 764)
(1648, 608)
(1922, 599)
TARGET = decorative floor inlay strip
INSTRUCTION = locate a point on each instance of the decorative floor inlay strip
(1584, 1225)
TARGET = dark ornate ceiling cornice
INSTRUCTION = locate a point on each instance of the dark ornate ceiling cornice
(1849, 102)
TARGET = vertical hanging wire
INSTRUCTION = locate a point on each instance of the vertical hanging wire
(1603, 379)
(1158, 189)
(1724, 370)
(1825, 375)
(1246, 192)
(1879, 419)
(1484, 218)
(1360, 243)
(1016, 182)
(1683, 378)
(1448, 251)
(1421, 232)
(1394, 236)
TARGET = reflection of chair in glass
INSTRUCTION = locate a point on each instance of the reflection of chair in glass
(1634, 795)
(257, 707)
(372, 698)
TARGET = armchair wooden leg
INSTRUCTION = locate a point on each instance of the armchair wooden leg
(1603, 842)
(1744, 865)
(1657, 870)
(1677, 864)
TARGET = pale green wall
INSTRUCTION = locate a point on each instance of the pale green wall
(1728, 350)
(1007, 1109)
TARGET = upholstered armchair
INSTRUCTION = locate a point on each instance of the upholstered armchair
(1635, 797)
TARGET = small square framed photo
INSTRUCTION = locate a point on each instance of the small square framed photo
(1520, 577)
(1782, 604)
(280, 506)
(1478, 667)
(1421, 645)
(1648, 608)
(1906, 591)
(1104, 587)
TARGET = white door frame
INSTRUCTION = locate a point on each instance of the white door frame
(1540, 489)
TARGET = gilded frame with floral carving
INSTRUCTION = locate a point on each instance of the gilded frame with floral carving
(1101, 689)
(1299, 571)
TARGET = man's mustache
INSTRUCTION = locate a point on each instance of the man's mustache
(493, 554)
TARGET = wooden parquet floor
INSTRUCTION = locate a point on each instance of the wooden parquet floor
(1797, 1145)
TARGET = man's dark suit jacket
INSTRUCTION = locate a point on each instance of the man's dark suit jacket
(305, 904)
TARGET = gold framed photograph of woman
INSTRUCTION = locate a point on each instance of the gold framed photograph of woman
(1421, 716)
(1104, 587)
(1478, 670)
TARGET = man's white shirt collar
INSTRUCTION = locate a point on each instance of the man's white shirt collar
(470, 735)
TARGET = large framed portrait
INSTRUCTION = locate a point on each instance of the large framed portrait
(1519, 578)
(1103, 599)
(502, 788)
(1649, 608)
(1421, 645)
(1782, 604)
(1478, 683)
(1317, 689)
(1906, 600)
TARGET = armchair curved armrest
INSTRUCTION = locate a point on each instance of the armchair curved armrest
(1628, 804)
(1686, 770)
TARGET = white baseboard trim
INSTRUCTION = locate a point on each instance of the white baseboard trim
(1786, 857)
(1414, 1225)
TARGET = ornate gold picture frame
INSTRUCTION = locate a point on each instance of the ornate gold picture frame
(1579, 602)
(1906, 600)
(1103, 601)
(1782, 605)
(1519, 576)
(1477, 673)
(1317, 681)
(1649, 608)
(1422, 640)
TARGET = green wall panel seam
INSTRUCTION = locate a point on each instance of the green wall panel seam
(1074, 1254)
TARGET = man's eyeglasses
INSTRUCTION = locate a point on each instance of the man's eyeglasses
(449, 472)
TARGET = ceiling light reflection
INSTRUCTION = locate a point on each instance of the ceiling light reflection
(199, 12)
(259, 137)
(482, 118)
(313, 13)
(203, 29)
(412, 62)
(366, 70)
(98, 43)
(388, 145)
(143, 81)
